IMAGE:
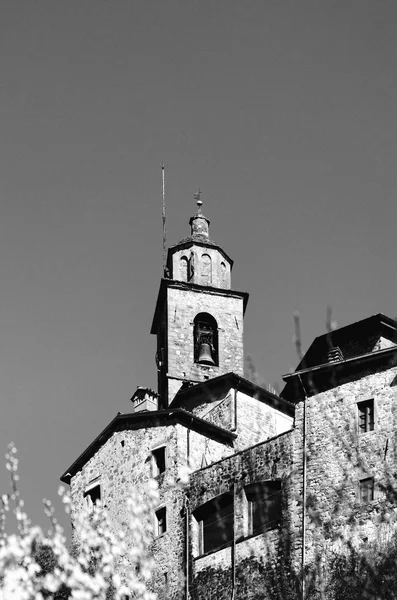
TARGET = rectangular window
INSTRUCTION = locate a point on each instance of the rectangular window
(92, 494)
(161, 521)
(158, 461)
(264, 506)
(366, 488)
(216, 523)
(366, 416)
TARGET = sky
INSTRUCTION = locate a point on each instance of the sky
(283, 113)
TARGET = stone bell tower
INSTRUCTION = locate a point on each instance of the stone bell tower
(198, 319)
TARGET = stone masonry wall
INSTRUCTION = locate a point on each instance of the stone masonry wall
(222, 413)
(196, 450)
(220, 267)
(339, 454)
(183, 306)
(121, 468)
(258, 421)
(124, 462)
(255, 556)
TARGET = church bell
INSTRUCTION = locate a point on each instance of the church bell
(205, 355)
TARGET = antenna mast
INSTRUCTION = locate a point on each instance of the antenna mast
(164, 230)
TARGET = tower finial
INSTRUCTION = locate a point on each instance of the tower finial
(197, 197)
(199, 223)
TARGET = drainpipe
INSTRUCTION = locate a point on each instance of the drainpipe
(187, 524)
(187, 520)
(188, 443)
(234, 428)
(304, 460)
(234, 545)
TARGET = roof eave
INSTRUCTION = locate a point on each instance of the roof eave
(244, 385)
(170, 415)
(192, 242)
(347, 361)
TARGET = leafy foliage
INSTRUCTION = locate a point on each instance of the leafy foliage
(39, 566)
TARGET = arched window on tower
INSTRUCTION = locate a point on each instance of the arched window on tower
(205, 333)
(183, 268)
(222, 275)
(206, 269)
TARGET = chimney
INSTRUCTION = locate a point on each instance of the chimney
(334, 354)
(144, 399)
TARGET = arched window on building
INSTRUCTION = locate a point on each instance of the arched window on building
(206, 269)
(222, 275)
(191, 266)
(183, 268)
(205, 339)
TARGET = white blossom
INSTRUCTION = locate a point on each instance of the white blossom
(91, 573)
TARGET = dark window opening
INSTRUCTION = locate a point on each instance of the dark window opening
(264, 505)
(93, 495)
(366, 416)
(161, 521)
(366, 488)
(205, 339)
(158, 461)
(216, 524)
(191, 266)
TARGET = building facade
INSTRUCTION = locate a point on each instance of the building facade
(278, 482)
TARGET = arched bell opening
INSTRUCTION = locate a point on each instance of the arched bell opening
(206, 270)
(183, 268)
(205, 340)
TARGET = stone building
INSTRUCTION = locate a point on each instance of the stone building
(277, 481)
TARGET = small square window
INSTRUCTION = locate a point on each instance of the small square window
(366, 489)
(92, 495)
(158, 461)
(161, 521)
(366, 416)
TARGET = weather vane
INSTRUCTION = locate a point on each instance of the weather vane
(197, 197)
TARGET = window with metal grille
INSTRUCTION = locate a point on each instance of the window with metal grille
(366, 490)
(216, 523)
(161, 521)
(366, 416)
(264, 506)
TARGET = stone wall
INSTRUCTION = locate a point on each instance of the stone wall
(339, 455)
(183, 306)
(252, 420)
(195, 450)
(123, 467)
(254, 557)
(220, 270)
(125, 462)
(221, 413)
(258, 421)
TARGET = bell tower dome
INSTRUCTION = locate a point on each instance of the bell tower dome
(197, 258)
(198, 319)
